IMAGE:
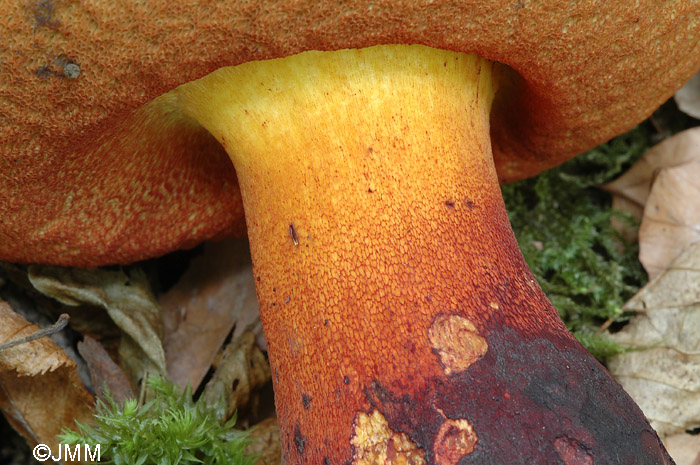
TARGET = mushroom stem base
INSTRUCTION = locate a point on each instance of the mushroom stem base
(402, 323)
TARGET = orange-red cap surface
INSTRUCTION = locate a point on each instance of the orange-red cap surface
(88, 176)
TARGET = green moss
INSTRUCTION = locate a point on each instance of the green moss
(562, 223)
(171, 429)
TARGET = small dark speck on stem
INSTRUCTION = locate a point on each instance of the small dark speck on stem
(43, 12)
(299, 440)
(293, 234)
(43, 72)
(306, 400)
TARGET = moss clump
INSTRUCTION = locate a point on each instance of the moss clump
(562, 223)
(171, 429)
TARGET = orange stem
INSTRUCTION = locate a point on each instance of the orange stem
(403, 324)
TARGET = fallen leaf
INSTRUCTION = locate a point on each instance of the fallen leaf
(671, 216)
(40, 390)
(684, 448)
(127, 299)
(216, 293)
(688, 97)
(266, 445)
(664, 378)
(242, 369)
(43, 311)
(105, 374)
(664, 184)
(636, 183)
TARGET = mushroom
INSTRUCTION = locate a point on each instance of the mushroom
(402, 323)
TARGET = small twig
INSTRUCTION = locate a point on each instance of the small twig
(142, 390)
(61, 323)
(605, 325)
(656, 125)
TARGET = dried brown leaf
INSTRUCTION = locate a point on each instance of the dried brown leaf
(242, 369)
(105, 374)
(40, 390)
(216, 293)
(684, 448)
(266, 445)
(664, 378)
(636, 183)
(671, 217)
(127, 299)
(664, 183)
(688, 97)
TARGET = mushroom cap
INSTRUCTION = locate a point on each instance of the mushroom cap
(92, 174)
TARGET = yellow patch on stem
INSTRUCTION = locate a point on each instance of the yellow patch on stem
(376, 444)
(455, 439)
(457, 342)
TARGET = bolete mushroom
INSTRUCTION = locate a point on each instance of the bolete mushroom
(403, 325)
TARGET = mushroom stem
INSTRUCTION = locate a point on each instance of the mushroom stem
(401, 320)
